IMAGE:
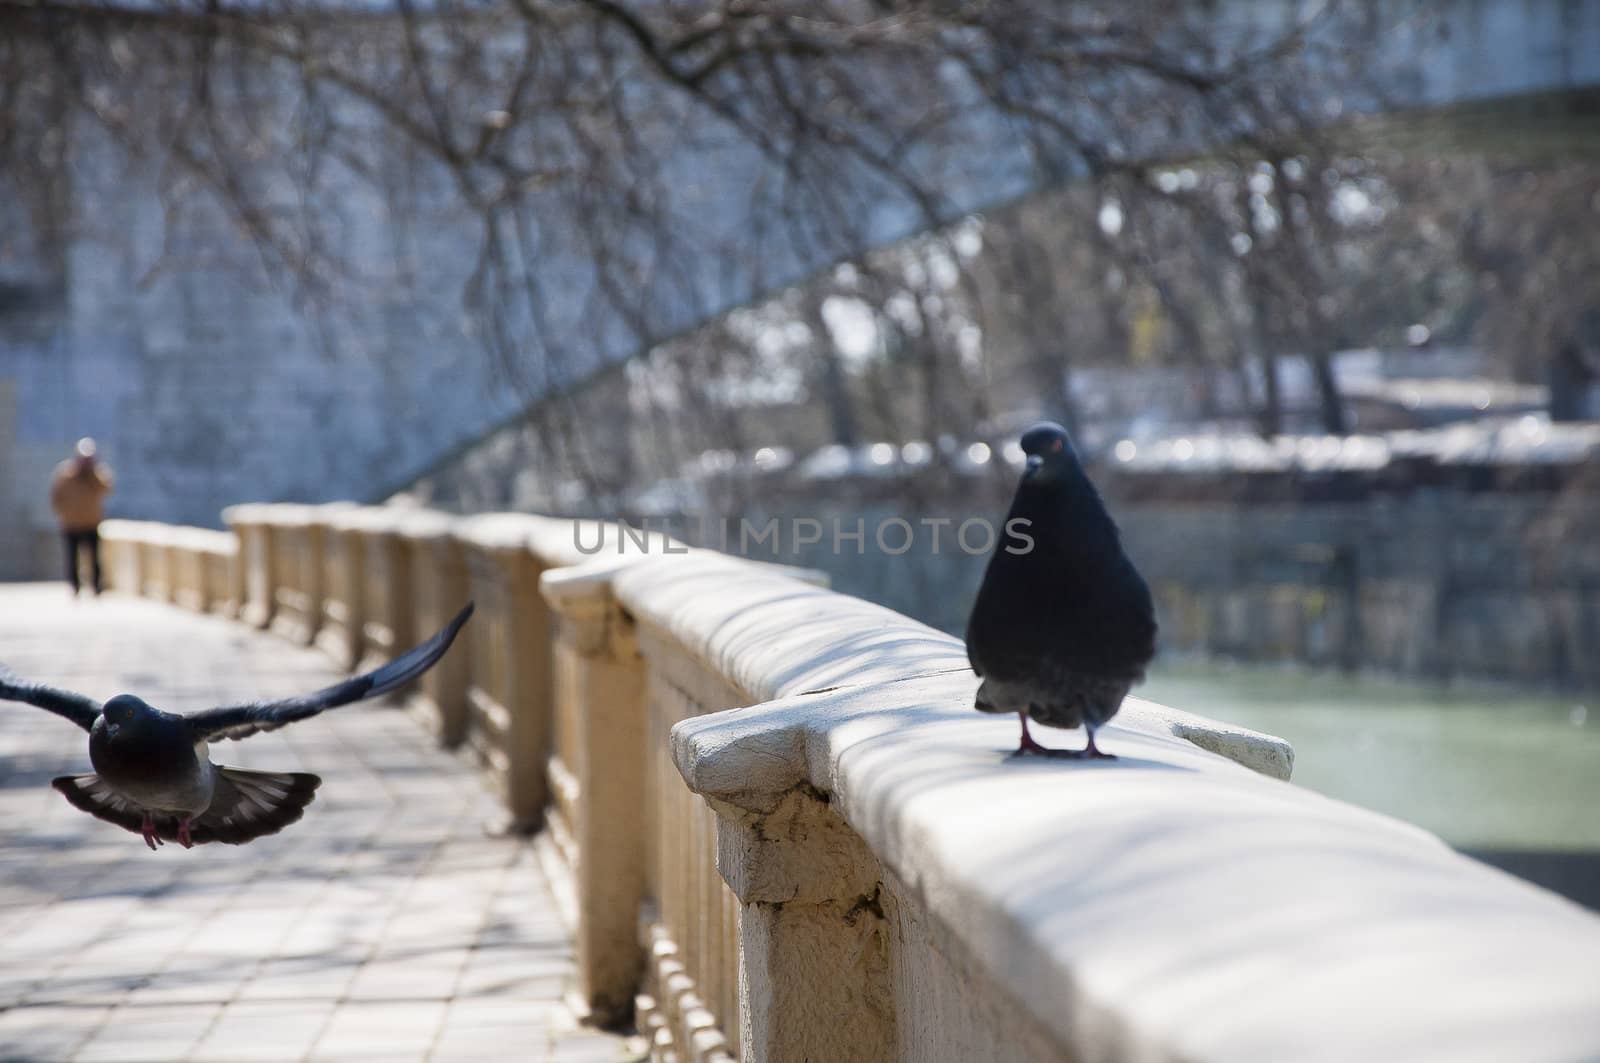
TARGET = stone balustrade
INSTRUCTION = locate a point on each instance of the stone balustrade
(438, 586)
(196, 568)
(599, 828)
(510, 684)
(295, 542)
(252, 528)
(123, 544)
(387, 610)
(342, 608)
(787, 836)
(205, 571)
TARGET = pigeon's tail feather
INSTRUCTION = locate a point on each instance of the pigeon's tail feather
(246, 805)
(90, 793)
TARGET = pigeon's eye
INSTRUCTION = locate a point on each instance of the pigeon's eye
(1055, 448)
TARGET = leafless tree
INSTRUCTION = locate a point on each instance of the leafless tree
(627, 170)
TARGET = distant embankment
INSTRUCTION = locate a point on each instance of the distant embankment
(1434, 584)
(1474, 563)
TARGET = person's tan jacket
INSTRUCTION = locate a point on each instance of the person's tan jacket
(78, 493)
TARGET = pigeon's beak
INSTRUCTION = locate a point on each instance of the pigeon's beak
(1032, 464)
(112, 729)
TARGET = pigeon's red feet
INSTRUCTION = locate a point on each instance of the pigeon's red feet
(1093, 752)
(1028, 745)
(183, 833)
(148, 829)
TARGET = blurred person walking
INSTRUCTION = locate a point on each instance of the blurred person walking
(77, 494)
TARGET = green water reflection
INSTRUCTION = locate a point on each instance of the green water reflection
(1512, 777)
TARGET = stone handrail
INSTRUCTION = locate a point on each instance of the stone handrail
(342, 556)
(438, 586)
(195, 567)
(787, 836)
(123, 546)
(509, 690)
(643, 847)
(283, 547)
(1170, 905)
(252, 528)
(799, 882)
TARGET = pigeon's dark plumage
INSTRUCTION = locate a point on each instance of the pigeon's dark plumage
(152, 772)
(1064, 624)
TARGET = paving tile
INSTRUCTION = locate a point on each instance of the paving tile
(523, 1043)
(592, 1048)
(397, 1028)
(159, 1038)
(47, 1032)
(267, 1032)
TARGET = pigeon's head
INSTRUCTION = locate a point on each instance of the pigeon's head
(1048, 451)
(125, 714)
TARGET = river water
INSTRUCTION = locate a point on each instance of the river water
(1511, 778)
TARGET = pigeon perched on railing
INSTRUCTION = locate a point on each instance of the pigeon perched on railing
(153, 775)
(1063, 625)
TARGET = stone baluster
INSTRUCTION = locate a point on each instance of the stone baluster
(255, 577)
(814, 973)
(508, 692)
(600, 795)
(341, 631)
(439, 588)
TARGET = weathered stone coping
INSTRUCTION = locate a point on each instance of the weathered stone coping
(1172, 905)
(581, 587)
(1169, 905)
(372, 519)
(773, 636)
(201, 540)
(247, 513)
(551, 539)
(294, 514)
(131, 529)
(423, 525)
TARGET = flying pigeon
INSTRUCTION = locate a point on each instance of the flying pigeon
(1063, 625)
(152, 772)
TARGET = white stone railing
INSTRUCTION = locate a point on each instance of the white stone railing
(195, 567)
(788, 836)
(283, 551)
(956, 904)
(252, 528)
(643, 847)
(429, 545)
(510, 689)
(123, 546)
(799, 892)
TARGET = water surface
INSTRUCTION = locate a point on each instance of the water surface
(1513, 778)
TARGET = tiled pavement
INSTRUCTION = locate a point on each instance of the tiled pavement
(385, 925)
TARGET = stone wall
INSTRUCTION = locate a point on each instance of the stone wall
(1434, 585)
(1436, 573)
(208, 379)
(28, 548)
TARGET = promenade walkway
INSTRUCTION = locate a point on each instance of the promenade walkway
(385, 925)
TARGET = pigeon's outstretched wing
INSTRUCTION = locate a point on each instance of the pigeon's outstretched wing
(240, 721)
(75, 707)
